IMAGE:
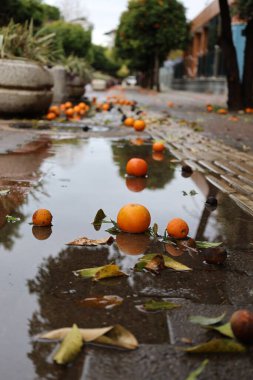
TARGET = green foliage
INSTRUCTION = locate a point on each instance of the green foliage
(102, 61)
(71, 38)
(150, 28)
(78, 66)
(245, 8)
(22, 11)
(20, 41)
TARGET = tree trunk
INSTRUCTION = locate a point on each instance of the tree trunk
(232, 72)
(156, 73)
(247, 84)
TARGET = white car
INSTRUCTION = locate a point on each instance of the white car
(131, 80)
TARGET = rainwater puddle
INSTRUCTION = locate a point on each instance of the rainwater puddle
(76, 178)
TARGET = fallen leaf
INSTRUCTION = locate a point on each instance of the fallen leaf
(111, 270)
(184, 193)
(90, 242)
(206, 321)
(156, 264)
(70, 346)
(195, 374)
(113, 335)
(159, 305)
(87, 272)
(173, 264)
(102, 302)
(193, 192)
(217, 345)
(223, 329)
(168, 262)
(207, 244)
(98, 220)
(4, 192)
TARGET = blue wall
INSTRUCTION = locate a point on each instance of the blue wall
(239, 42)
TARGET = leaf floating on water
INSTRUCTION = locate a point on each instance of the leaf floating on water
(184, 193)
(120, 337)
(4, 192)
(206, 321)
(111, 270)
(217, 345)
(12, 219)
(70, 346)
(168, 263)
(223, 329)
(173, 264)
(113, 230)
(113, 335)
(160, 305)
(87, 272)
(195, 374)
(84, 241)
(156, 264)
(207, 244)
(193, 192)
(98, 220)
(102, 302)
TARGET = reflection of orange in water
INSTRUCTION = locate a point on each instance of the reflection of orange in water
(133, 218)
(137, 141)
(173, 250)
(136, 184)
(41, 233)
(158, 156)
(132, 244)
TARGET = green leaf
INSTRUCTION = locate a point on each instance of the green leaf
(12, 219)
(206, 321)
(193, 192)
(159, 305)
(173, 264)
(87, 272)
(195, 374)
(184, 193)
(113, 230)
(98, 220)
(217, 345)
(207, 244)
(111, 270)
(223, 329)
(70, 346)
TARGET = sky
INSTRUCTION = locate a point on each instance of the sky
(105, 14)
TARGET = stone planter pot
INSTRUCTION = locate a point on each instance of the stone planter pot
(60, 84)
(25, 88)
(75, 87)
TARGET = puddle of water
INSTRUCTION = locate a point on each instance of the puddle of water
(38, 289)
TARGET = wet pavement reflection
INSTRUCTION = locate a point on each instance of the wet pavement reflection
(74, 179)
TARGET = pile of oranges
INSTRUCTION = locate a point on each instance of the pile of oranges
(68, 110)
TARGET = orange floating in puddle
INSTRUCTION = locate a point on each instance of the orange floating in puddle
(132, 244)
(42, 218)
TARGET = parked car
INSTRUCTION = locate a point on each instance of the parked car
(131, 81)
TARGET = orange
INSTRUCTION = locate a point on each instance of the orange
(62, 107)
(137, 167)
(69, 112)
(51, 116)
(68, 105)
(170, 104)
(42, 217)
(177, 228)
(158, 156)
(105, 107)
(136, 184)
(130, 244)
(133, 218)
(82, 112)
(55, 109)
(222, 111)
(139, 125)
(77, 109)
(129, 122)
(82, 106)
(209, 108)
(158, 146)
(249, 110)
